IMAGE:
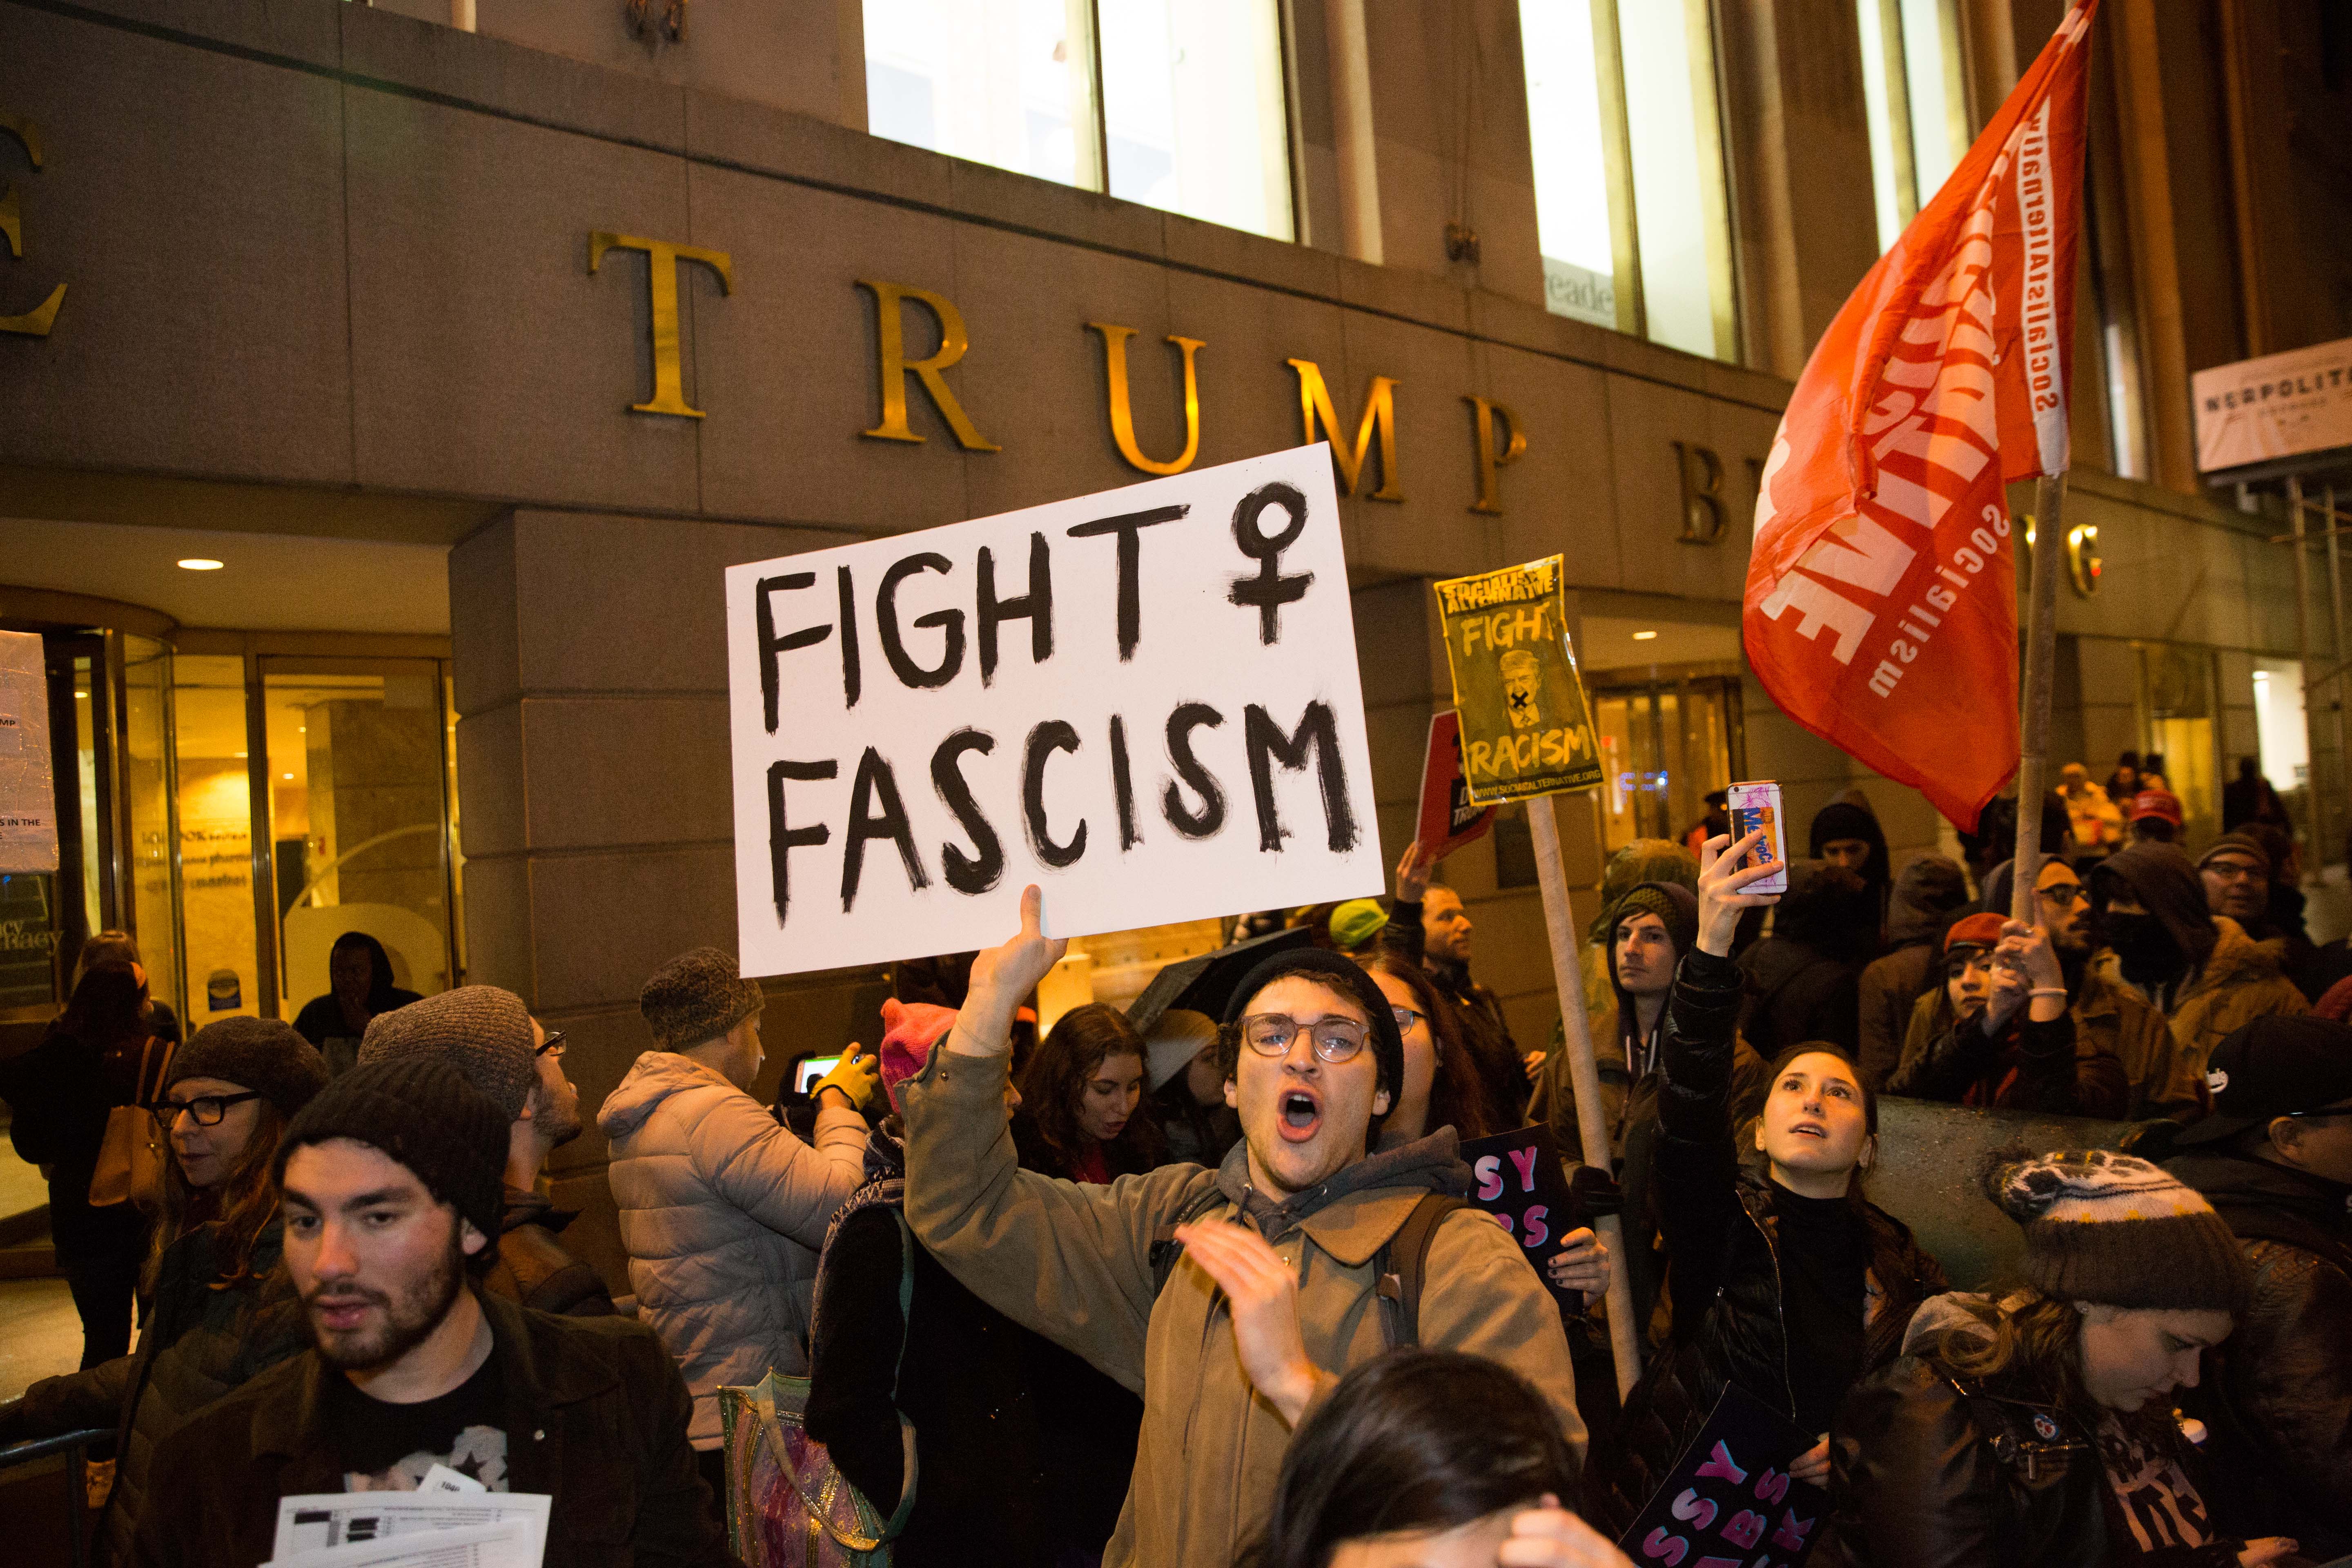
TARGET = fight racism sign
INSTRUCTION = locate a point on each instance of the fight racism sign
(1145, 701)
(1881, 600)
(1526, 729)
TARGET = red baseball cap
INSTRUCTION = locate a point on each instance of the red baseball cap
(2161, 802)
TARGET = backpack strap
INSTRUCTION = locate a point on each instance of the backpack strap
(1166, 1250)
(1403, 1265)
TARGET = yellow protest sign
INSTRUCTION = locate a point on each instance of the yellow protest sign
(1526, 728)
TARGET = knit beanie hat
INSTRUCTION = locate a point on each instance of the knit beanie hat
(2239, 843)
(699, 996)
(483, 1031)
(909, 1030)
(1674, 904)
(2115, 1230)
(1342, 975)
(1356, 923)
(265, 1054)
(421, 1112)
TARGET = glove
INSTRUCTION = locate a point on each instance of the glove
(858, 1075)
(1595, 1192)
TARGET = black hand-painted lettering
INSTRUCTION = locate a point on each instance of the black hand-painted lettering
(1267, 745)
(1036, 604)
(1270, 589)
(875, 782)
(1129, 529)
(1210, 817)
(1052, 735)
(1122, 785)
(979, 871)
(852, 676)
(893, 648)
(764, 616)
(783, 841)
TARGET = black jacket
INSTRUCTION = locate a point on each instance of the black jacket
(1022, 1452)
(1798, 993)
(1486, 1033)
(596, 1416)
(533, 1268)
(61, 1093)
(203, 1339)
(2278, 1393)
(1719, 1231)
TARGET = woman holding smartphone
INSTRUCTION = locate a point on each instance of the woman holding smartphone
(1787, 1281)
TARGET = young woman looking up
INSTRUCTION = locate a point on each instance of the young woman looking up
(223, 1310)
(1429, 1459)
(1080, 1093)
(2036, 1429)
(1789, 1282)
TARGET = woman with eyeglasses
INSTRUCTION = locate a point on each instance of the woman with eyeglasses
(224, 1309)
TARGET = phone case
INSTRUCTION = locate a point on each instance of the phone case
(1754, 805)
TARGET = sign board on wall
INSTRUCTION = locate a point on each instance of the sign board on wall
(28, 804)
(1145, 701)
(2280, 405)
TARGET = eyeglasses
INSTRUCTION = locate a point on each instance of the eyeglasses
(2063, 893)
(2320, 1114)
(553, 1046)
(1405, 1017)
(208, 1109)
(2233, 871)
(1334, 1040)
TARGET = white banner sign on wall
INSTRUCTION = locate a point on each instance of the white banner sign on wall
(1146, 701)
(29, 802)
(2281, 405)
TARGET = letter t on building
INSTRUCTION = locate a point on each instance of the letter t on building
(661, 280)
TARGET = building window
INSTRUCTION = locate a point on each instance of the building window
(1631, 200)
(1181, 107)
(1916, 103)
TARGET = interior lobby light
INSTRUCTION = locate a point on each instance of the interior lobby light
(199, 563)
(1646, 636)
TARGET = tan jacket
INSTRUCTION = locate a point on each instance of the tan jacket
(2239, 981)
(1073, 1263)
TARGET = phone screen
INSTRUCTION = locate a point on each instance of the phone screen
(811, 1070)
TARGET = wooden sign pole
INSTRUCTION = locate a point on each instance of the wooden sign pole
(1559, 925)
(2040, 654)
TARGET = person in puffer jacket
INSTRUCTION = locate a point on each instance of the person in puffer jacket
(722, 1209)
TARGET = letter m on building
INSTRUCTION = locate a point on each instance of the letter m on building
(1380, 419)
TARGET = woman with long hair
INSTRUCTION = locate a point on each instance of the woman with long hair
(1786, 1279)
(1079, 1098)
(62, 1092)
(2036, 1429)
(1429, 1458)
(1442, 1088)
(224, 1309)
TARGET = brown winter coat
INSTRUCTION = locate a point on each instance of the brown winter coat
(1075, 1263)
(2239, 981)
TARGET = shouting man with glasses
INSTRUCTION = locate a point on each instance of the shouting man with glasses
(1231, 1299)
(490, 1038)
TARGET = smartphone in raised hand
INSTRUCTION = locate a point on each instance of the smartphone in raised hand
(1758, 805)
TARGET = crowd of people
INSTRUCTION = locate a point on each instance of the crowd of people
(1202, 1287)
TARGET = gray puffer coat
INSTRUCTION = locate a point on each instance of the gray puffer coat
(722, 1211)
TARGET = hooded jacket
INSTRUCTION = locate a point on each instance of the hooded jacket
(1079, 1264)
(2278, 1393)
(722, 1212)
(1850, 817)
(1804, 981)
(1926, 895)
(1723, 1237)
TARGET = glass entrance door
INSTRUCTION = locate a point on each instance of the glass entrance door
(1664, 744)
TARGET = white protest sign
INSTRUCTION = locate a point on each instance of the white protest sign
(1145, 701)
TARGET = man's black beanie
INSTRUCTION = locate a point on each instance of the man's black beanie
(422, 1113)
(1343, 974)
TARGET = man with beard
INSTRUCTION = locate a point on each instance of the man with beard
(1231, 1299)
(1427, 922)
(391, 1183)
(2199, 970)
(487, 1035)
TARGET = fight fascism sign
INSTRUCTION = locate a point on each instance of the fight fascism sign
(1144, 700)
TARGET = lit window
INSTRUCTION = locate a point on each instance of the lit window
(1631, 200)
(1915, 104)
(1192, 117)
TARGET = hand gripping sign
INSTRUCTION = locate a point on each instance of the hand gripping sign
(1526, 729)
(1144, 701)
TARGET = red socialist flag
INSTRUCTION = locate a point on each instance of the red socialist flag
(1882, 594)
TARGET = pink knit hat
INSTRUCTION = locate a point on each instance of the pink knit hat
(909, 1031)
